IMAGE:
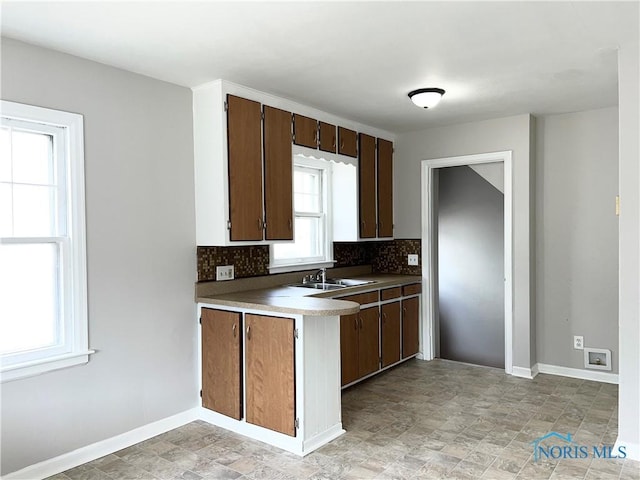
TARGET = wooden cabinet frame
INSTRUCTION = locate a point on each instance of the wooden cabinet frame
(394, 330)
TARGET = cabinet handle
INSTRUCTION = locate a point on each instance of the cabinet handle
(384, 318)
(315, 137)
(290, 225)
(404, 310)
(355, 323)
(260, 227)
(342, 144)
(360, 322)
(333, 143)
(248, 332)
(234, 330)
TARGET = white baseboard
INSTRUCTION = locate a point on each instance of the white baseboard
(99, 449)
(632, 449)
(322, 438)
(523, 372)
(593, 375)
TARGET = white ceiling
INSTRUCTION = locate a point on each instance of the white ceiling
(357, 60)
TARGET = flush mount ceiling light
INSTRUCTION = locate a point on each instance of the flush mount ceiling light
(426, 97)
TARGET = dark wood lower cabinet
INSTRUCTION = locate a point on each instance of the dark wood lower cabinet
(379, 336)
(270, 373)
(410, 326)
(349, 333)
(368, 350)
(221, 362)
(390, 319)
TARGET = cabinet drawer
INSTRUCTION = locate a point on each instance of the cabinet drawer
(411, 289)
(389, 293)
(362, 298)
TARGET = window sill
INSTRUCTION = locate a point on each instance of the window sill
(37, 367)
(298, 267)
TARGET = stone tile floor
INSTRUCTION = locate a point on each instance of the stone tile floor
(427, 420)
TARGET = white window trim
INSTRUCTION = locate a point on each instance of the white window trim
(78, 343)
(327, 262)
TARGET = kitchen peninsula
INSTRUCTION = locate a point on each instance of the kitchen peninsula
(274, 359)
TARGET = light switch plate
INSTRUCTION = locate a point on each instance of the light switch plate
(413, 259)
(225, 272)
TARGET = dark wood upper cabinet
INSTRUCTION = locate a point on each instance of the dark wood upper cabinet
(385, 188)
(367, 186)
(327, 137)
(278, 168)
(347, 142)
(270, 373)
(305, 131)
(244, 136)
(221, 362)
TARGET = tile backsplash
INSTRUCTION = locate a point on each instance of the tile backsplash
(253, 261)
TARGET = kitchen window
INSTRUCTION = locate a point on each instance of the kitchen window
(311, 247)
(43, 287)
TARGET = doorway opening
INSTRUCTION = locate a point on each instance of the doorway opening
(430, 272)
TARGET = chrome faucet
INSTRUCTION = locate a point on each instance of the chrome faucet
(321, 275)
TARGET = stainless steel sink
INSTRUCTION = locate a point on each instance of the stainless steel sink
(332, 284)
(318, 285)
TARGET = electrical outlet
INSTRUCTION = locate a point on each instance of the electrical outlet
(412, 259)
(578, 342)
(225, 272)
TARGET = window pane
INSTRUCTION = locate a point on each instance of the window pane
(28, 272)
(32, 158)
(308, 240)
(307, 190)
(5, 155)
(33, 211)
(5, 210)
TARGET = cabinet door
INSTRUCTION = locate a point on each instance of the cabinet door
(410, 326)
(347, 142)
(349, 348)
(327, 137)
(244, 135)
(385, 188)
(278, 168)
(367, 186)
(221, 361)
(305, 131)
(368, 348)
(391, 340)
(270, 373)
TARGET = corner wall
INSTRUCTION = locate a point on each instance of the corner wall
(141, 258)
(629, 302)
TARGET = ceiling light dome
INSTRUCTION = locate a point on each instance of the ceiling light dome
(426, 97)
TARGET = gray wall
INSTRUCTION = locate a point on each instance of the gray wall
(141, 258)
(577, 235)
(511, 133)
(471, 268)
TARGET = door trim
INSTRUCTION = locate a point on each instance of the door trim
(429, 271)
